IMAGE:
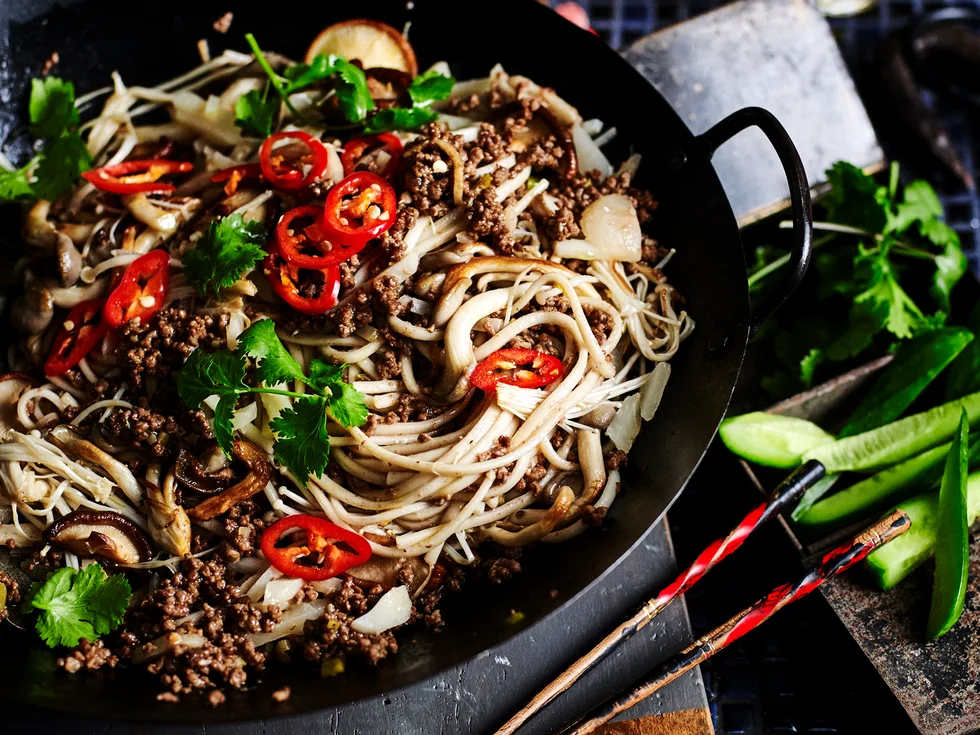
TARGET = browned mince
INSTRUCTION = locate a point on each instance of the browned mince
(12, 593)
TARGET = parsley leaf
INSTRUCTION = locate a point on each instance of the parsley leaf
(256, 112)
(224, 432)
(52, 107)
(430, 87)
(62, 161)
(15, 184)
(229, 248)
(74, 605)
(275, 365)
(302, 441)
(399, 118)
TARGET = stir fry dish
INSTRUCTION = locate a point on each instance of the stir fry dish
(300, 347)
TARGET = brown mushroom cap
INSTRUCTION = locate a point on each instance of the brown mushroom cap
(12, 385)
(104, 534)
(258, 475)
(192, 474)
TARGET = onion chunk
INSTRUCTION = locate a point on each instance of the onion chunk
(393, 609)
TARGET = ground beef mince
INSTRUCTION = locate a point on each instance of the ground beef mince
(11, 594)
(485, 216)
(88, 655)
(332, 636)
(393, 241)
(428, 176)
(143, 428)
(159, 347)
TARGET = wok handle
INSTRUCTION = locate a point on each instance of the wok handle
(799, 194)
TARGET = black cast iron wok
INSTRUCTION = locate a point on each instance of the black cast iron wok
(150, 42)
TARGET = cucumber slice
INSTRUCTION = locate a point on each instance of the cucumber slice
(771, 440)
(897, 441)
(894, 561)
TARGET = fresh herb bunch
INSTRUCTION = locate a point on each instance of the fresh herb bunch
(256, 112)
(74, 605)
(871, 235)
(54, 120)
(302, 442)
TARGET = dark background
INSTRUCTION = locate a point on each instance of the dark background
(802, 673)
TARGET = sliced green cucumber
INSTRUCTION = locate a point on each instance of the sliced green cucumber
(894, 561)
(897, 441)
(771, 440)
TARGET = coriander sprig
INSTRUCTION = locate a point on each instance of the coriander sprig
(74, 605)
(302, 441)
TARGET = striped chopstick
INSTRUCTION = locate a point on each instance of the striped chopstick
(784, 497)
(837, 561)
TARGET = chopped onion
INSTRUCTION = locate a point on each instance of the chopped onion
(611, 226)
(256, 591)
(335, 167)
(293, 620)
(281, 591)
(165, 644)
(653, 390)
(593, 127)
(325, 586)
(588, 153)
(394, 608)
(626, 425)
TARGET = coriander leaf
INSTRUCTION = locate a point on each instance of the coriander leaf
(951, 266)
(52, 107)
(302, 442)
(224, 431)
(323, 376)
(74, 605)
(399, 118)
(16, 184)
(919, 205)
(853, 199)
(430, 87)
(274, 363)
(229, 248)
(210, 373)
(62, 162)
(256, 112)
(347, 405)
(882, 291)
(301, 76)
(352, 91)
(809, 364)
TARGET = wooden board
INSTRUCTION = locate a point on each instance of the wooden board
(776, 54)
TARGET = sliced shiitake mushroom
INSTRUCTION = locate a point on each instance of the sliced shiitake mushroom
(192, 474)
(33, 310)
(413, 572)
(258, 475)
(103, 534)
(369, 41)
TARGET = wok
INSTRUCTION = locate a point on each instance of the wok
(148, 43)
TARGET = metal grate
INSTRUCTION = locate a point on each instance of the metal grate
(789, 679)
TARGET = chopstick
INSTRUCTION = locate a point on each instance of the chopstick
(784, 496)
(837, 561)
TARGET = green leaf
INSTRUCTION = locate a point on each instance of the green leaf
(323, 376)
(16, 184)
(864, 321)
(62, 161)
(347, 405)
(224, 431)
(964, 373)
(951, 264)
(809, 364)
(210, 373)
(902, 317)
(52, 107)
(74, 605)
(430, 87)
(352, 91)
(916, 364)
(274, 363)
(399, 118)
(229, 248)
(256, 112)
(919, 204)
(302, 442)
(853, 199)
